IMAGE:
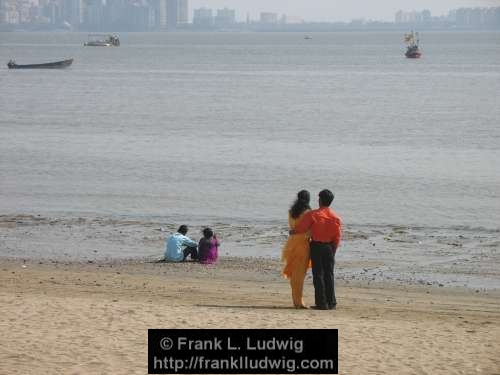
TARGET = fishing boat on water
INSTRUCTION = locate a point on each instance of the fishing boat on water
(49, 65)
(102, 40)
(412, 41)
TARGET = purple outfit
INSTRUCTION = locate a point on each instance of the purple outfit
(208, 250)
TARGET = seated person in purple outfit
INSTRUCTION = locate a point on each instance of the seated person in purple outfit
(208, 247)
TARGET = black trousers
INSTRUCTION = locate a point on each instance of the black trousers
(190, 251)
(323, 262)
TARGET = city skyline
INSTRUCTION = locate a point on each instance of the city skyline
(177, 15)
(338, 10)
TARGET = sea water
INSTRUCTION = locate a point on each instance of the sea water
(223, 129)
(227, 127)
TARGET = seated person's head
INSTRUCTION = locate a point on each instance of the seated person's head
(208, 233)
(183, 229)
(325, 198)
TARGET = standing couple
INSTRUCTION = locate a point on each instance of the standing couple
(314, 238)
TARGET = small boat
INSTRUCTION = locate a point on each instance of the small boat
(102, 40)
(412, 50)
(50, 65)
(307, 37)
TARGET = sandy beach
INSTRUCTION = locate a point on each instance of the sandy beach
(73, 302)
(92, 318)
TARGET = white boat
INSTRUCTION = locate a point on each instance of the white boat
(102, 40)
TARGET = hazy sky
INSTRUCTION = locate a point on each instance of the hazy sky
(338, 10)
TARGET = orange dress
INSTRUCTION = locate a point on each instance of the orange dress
(296, 257)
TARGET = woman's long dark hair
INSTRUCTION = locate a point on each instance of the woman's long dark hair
(301, 204)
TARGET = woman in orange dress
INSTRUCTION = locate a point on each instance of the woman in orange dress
(295, 253)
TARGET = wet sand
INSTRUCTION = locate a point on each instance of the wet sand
(446, 257)
(92, 318)
(71, 302)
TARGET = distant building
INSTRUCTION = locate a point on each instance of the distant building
(72, 13)
(472, 18)
(3, 12)
(8, 13)
(413, 17)
(161, 11)
(268, 18)
(172, 10)
(53, 12)
(225, 17)
(93, 15)
(398, 18)
(182, 12)
(11, 17)
(426, 16)
(203, 17)
(291, 20)
(137, 17)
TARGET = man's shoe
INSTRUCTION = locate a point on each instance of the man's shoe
(319, 307)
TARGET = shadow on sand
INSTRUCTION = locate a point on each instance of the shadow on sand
(249, 307)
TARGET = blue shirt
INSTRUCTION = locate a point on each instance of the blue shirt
(175, 246)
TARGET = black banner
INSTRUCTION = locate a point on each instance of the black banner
(242, 351)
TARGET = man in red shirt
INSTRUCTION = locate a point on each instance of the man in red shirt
(326, 232)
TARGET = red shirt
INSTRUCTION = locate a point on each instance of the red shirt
(324, 224)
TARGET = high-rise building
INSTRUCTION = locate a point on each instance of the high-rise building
(225, 17)
(93, 16)
(268, 18)
(53, 12)
(426, 16)
(72, 13)
(203, 17)
(182, 12)
(3, 11)
(172, 9)
(413, 17)
(398, 18)
(162, 14)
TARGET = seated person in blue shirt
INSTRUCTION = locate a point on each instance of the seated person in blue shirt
(179, 246)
